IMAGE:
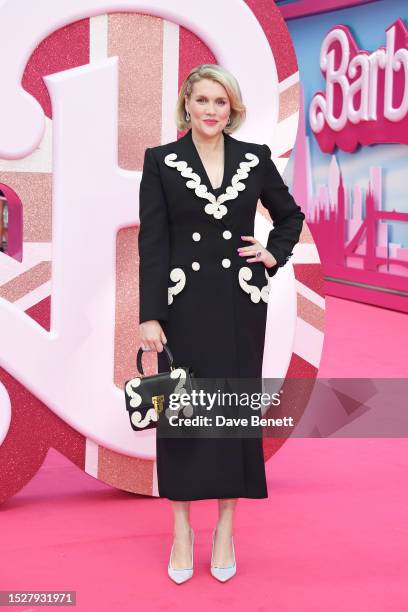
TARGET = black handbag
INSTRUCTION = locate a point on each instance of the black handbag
(148, 396)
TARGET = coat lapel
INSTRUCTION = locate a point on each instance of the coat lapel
(237, 165)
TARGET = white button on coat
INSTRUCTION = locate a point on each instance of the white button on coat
(196, 236)
(195, 265)
(226, 234)
(226, 263)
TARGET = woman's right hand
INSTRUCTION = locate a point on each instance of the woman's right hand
(152, 336)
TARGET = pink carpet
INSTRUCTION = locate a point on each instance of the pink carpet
(333, 534)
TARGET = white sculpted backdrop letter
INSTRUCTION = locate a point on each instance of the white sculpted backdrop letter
(72, 372)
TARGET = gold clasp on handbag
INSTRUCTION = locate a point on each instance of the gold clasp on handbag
(158, 402)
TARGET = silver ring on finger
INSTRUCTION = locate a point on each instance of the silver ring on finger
(258, 254)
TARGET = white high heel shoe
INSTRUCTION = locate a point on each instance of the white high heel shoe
(223, 573)
(181, 575)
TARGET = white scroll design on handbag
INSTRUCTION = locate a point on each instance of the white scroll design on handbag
(135, 401)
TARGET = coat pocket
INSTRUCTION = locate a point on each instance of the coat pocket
(254, 280)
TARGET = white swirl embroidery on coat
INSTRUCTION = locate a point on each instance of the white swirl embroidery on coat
(244, 275)
(216, 206)
(177, 275)
(135, 401)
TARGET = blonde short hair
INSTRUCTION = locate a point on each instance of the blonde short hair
(223, 77)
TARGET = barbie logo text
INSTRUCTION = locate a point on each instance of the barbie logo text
(366, 98)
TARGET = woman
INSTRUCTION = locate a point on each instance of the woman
(204, 291)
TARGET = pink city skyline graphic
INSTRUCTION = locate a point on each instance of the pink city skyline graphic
(352, 231)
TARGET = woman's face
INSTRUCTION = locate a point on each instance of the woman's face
(209, 107)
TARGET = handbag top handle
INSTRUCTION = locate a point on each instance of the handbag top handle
(139, 358)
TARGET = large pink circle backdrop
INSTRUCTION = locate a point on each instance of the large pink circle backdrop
(154, 56)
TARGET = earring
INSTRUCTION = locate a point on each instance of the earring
(229, 120)
(188, 116)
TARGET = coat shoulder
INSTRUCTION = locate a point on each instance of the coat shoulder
(163, 148)
(180, 144)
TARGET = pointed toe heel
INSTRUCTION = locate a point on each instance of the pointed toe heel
(182, 575)
(223, 573)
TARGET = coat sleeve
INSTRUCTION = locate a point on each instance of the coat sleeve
(286, 215)
(153, 244)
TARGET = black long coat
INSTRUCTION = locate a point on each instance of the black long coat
(211, 303)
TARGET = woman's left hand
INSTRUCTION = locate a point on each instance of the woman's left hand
(256, 247)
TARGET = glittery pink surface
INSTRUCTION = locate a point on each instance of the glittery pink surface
(289, 102)
(310, 275)
(300, 368)
(26, 282)
(34, 191)
(127, 340)
(127, 473)
(277, 33)
(138, 42)
(140, 112)
(295, 400)
(63, 49)
(41, 312)
(310, 312)
(192, 52)
(127, 305)
(33, 430)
